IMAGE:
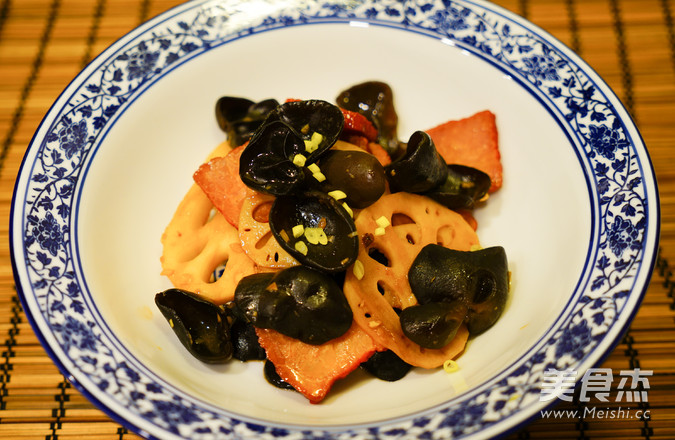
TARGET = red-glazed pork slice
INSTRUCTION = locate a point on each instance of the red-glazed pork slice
(473, 142)
(313, 369)
(220, 181)
(356, 123)
(376, 150)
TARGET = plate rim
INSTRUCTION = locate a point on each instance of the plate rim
(138, 31)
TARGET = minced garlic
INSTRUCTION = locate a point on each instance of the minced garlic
(316, 236)
(301, 247)
(312, 144)
(316, 172)
(348, 209)
(450, 366)
(359, 270)
(337, 194)
(298, 230)
(382, 222)
(299, 160)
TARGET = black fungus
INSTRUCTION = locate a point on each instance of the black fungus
(432, 325)
(321, 216)
(200, 325)
(299, 302)
(271, 375)
(477, 279)
(294, 129)
(246, 346)
(386, 365)
(462, 189)
(308, 118)
(241, 117)
(421, 169)
(266, 164)
(374, 100)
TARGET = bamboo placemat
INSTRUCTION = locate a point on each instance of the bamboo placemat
(45, 43)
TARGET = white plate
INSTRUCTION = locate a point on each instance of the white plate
(578, 213)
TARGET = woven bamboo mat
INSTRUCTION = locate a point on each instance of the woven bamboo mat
(45, 43)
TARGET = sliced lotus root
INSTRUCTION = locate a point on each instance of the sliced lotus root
(197, 241)
(255, 234)
(221, 150)
(393, 230)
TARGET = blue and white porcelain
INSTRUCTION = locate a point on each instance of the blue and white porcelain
(578, 213)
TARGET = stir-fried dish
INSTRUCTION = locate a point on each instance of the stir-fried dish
(315, 240)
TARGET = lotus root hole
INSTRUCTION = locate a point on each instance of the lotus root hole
(379, 256)
(445, 235)
(380, 287)
(263, 240)
(212, 214)
(398, 219)
(261, 212)
(272, 258)
(217, 272)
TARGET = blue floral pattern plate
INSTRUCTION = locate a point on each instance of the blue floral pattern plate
(578, 213)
